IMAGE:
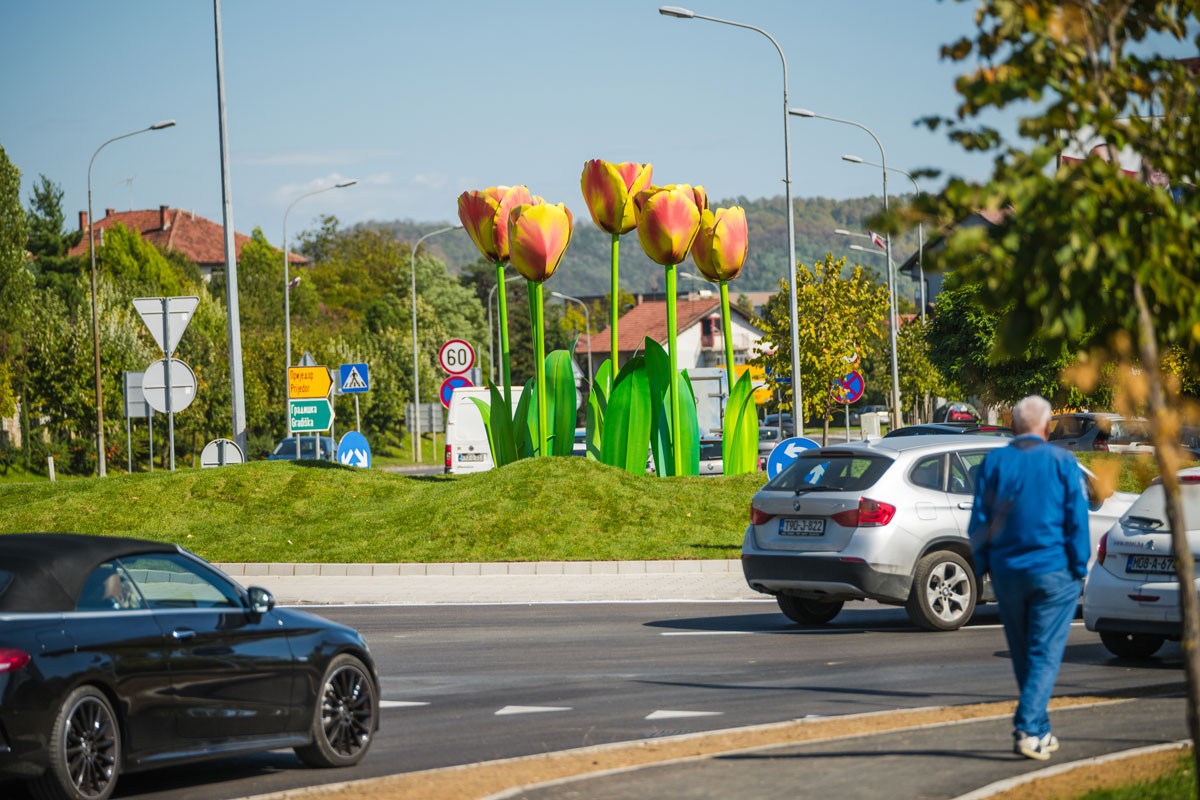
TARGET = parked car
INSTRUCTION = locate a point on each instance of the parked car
(883, 520)
(1087, 430)
(286, 449)
(767, 439)
(956, 412)
(781, 421)
(944, 428)
(711, 457)
(119, 655)
(1131, 597)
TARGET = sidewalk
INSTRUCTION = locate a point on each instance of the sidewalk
(506, 582)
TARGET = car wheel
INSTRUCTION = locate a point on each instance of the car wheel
(807, 612)
(344, 717)
(84, 750)
(943, 592)
(1131, 645)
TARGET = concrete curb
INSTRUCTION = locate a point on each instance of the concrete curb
(523, 568)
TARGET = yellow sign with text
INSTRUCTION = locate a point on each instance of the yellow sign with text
(308, 383)
(758, 375)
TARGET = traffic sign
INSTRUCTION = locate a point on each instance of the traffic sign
(849, 388)
(450, 384)
(353, 451)
(354, 379)
(456, 356)
(786, 452)
(182, 389)
(135, 399)
(308, 382)
(306, 416)
(177, 312)
(221, 453)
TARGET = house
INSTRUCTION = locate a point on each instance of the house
(200, 240)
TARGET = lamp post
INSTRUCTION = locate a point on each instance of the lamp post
(587, 321)
(797, 395)
(416, 372)
(491, 345)
(101, 465)
(920, 225)
(892, 309)
(287, 304)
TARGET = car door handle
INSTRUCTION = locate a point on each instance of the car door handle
(966, 506)
(181, 634)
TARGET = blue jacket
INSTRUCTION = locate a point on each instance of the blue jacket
(1030, 511)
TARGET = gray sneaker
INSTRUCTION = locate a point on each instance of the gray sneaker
(1035, 747)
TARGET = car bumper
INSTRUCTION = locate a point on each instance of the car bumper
(823, 576)
(1109, 605)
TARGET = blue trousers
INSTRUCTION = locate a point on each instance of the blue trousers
(1036, 611)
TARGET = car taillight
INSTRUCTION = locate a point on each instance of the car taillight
(12, 659)
(869, 514)
(448, 458)
(1102, 550)
(1189, 478)
(758, 517)
(1102, 445)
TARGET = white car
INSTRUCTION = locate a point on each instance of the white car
(1131, 597)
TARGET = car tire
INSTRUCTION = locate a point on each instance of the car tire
(808, 612)
(84, 750)
(1131, 645)
(345, 713)
(943, 592)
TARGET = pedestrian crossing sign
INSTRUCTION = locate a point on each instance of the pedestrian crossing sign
(354, 379)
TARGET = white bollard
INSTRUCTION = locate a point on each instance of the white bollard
(50, 462)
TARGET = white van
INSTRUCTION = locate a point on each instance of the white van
(467, 448)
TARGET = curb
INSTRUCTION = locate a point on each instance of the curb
(524, 568)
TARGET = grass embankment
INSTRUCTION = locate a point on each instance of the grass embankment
(567, 509)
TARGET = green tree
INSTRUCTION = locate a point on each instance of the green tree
(16, 281)
(1088, 253)
(47, 237)
(920, 377)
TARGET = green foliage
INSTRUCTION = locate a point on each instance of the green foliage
(47, 238)
(663, 435)
(627, 421)
(560, 402)
(597, 408)
(137, 267)
(739, 441)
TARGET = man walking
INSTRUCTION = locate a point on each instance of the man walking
(1029, 530)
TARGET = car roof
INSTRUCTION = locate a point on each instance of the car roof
(934, 442)
(49, 569)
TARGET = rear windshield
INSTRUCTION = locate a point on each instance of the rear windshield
(1149, 510)
(832, 472)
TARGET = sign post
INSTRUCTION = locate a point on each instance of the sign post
(167, 318)
(847, 390)
(354, 379)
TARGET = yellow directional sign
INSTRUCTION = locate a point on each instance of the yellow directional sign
(759, 377)
(308, 383)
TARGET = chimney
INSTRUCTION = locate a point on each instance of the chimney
(109, 212)
(163, 222)
(83, 221)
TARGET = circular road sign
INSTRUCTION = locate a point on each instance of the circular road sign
(182, 390)
(849, 388)
(786, 452)
(450, 384)
(354, 451)
(220, 453)
(456, 356)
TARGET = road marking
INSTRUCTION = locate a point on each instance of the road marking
(529, 710)
(707, 633)
(677, 714)
(399, 704)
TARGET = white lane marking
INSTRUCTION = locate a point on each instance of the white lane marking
(529, 710)
(1075, 624)
(677, 714)
(706, 633)
(400, 704)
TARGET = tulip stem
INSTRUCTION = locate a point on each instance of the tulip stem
(672, 386)
(539, 348)
(615, 309)
(505, 361)
(726, 330)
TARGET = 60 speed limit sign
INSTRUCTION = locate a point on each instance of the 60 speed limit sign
(456, 356)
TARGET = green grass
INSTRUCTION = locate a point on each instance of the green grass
(1179, 784)
(543, 509)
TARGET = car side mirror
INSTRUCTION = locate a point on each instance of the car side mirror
(261, 601)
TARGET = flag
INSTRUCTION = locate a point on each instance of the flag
(876, 239)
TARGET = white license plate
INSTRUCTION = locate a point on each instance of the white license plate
(1159, 564)
(465, 457)
(802, 526)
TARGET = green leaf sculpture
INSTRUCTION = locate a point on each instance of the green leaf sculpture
(739, 442)
(626, 441)
(597, 408)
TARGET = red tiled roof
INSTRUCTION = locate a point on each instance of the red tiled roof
(200, 239)
(650, 319)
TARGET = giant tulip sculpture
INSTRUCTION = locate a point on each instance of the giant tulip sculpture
(538, 236)
(484, 214)
(720, 253)
(668, 219)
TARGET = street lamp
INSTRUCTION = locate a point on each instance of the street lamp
(797, 395)
(892, 308)
(416, 373)
(101, 462)
(587, 321)
(920, 225)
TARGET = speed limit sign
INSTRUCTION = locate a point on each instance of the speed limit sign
(456, 356)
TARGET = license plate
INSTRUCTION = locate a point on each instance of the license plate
(802, 526)
(463, 457)
(1159, 564)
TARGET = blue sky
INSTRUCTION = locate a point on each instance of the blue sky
(422, 100)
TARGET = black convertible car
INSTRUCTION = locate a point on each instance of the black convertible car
(118, 655)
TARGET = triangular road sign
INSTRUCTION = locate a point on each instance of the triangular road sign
(178, 313)
(307, 360)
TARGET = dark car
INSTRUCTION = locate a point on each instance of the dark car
(120, 655)
(286, 449)
(1100, 431)
(943, 428)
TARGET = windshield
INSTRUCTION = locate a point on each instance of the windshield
(835, 472)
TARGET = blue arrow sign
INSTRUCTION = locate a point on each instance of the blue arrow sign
(786, 452)
(353, 451)
(355, 379)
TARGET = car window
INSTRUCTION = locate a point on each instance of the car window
(1128, 431)
(710, 451)
(927, 473)
(963, 469)
(1067, 428)
(835, 472)
(109, 588)
(173, 581)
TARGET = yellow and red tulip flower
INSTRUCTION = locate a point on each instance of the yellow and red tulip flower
(609, 189)
(721, 244)
(538, 236)
(668, 220)
(484, 215)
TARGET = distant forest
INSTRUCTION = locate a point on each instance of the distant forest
(585, 270)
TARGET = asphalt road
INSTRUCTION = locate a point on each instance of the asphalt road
(471, 683)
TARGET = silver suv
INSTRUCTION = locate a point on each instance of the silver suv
(885, 521)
